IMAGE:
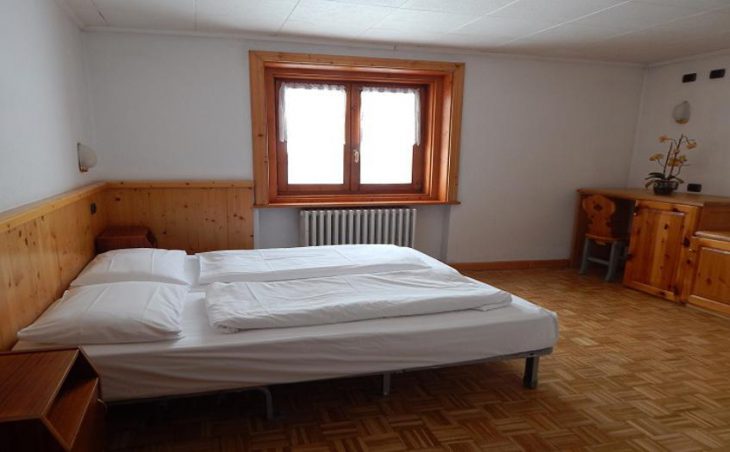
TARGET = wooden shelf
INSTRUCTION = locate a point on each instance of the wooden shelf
(65, 415)
(49, 401)
(22, 397)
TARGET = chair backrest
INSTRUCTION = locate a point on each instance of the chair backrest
(599, 210)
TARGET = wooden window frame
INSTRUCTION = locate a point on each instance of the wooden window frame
(435, 183)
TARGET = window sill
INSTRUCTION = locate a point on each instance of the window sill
(381, 203)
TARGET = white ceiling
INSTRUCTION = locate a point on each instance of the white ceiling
(640, 31)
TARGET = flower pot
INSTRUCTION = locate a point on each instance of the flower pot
(664, 187)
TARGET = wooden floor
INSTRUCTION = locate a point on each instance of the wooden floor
(630, 372)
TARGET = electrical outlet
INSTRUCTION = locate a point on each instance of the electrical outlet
(717, 73)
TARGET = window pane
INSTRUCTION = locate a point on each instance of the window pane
(388, 131)
(314, 127)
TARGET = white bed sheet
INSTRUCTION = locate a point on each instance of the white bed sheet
(206, 360)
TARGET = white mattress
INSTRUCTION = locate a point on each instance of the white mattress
(206, 360)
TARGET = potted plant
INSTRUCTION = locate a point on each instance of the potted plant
(666, 181)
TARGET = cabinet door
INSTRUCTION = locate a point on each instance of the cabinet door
(707, 280)
(660, 237)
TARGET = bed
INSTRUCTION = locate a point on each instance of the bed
(204, 360)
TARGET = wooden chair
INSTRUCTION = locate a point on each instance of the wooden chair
(603, 231)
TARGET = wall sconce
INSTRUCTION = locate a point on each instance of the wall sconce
(87, 157)
(681, 113)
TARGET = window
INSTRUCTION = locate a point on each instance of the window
(312, 136)
(346, 131)
(390, 136)
(348, 138)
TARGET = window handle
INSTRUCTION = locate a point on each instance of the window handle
(356, 155)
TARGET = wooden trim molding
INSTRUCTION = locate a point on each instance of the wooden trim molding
(510, 265)
(15, 217)
(709, 305)
(371, 203)
(445, 109)
(180, 184)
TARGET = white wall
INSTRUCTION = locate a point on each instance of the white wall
(709, 123)
(170, 107)
(43, 106)
(533, 132)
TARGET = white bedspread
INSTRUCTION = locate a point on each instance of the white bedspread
(205, 360)
(318, 301)
(279, 264)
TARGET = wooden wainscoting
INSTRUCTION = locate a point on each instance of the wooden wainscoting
(192, 216)
(43, 246)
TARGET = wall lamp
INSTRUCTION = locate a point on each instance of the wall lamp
(681, 113)
(87, 157)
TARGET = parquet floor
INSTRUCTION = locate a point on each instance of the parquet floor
(630, 372)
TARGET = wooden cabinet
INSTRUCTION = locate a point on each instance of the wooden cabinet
(661, 233)
(49, 401)
(707, 280)
(660, 236)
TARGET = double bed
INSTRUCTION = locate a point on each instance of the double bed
(203, 359)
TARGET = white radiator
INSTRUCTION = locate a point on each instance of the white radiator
(356, 226)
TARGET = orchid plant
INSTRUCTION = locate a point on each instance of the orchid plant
(673, 161)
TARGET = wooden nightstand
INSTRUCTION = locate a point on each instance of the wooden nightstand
(49, 401)
(120, 237)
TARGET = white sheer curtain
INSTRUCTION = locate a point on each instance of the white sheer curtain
(402, 98)
(389, 127)
(312, 123)
(300, 91)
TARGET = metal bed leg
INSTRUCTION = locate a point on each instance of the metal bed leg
(532, 365)
(386, 384)
(268, 400)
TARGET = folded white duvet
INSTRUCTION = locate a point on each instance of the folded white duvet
(280, 264)
(241, 306)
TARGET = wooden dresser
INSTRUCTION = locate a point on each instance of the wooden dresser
(49, 401)
(662, 228)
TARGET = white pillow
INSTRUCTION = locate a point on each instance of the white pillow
(136, 264)
(111, 313)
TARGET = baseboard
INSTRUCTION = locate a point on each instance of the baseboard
(511, 265)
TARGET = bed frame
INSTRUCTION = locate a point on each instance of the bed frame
(529, 380)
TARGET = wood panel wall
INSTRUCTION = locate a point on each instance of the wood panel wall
(191, 216)
(44, 245)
